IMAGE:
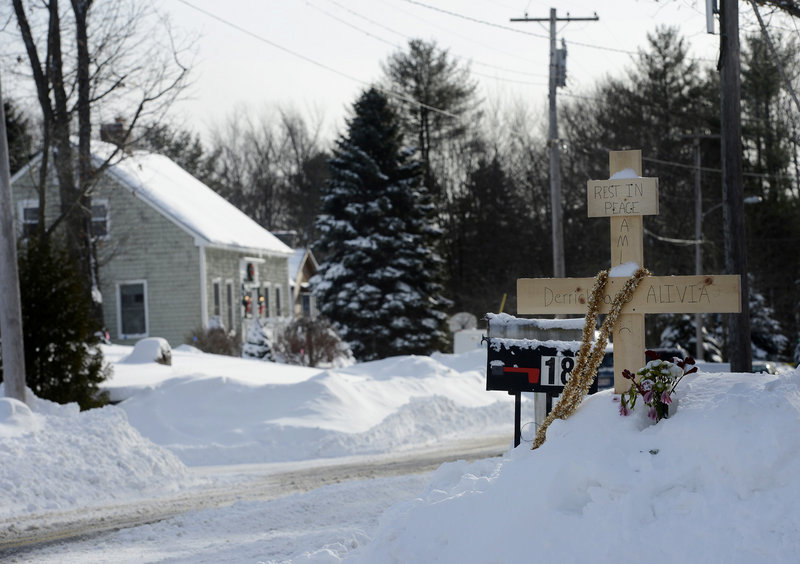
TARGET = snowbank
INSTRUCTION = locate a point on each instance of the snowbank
(715, 483)
(368, 408)
(55, 457)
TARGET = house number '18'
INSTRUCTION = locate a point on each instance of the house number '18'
(555, 370)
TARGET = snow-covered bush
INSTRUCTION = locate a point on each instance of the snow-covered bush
(257, 345)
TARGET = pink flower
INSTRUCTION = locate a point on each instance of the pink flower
(653, 414)
(666, 398)
(648, 396)
(623, 409)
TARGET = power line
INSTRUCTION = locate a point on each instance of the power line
(315, 62)
(719, 171)
(406, 37)
(476, 20)
(391, 43)
(353, 26)
(515, 30)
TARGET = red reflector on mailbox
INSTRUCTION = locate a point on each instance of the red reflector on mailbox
(528, 365)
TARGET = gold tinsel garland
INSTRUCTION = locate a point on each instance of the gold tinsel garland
(590, 357)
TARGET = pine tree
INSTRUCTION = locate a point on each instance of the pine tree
(481, 264)
(180, 145)
(680, 333)
(379, 279)
(437, 105)
(768, 340)
(257, 344)
(19, 137)
(62, 360)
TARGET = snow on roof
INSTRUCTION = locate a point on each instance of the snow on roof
(295, 262)
(212, 220)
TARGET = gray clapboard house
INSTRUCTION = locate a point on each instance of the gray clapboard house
(173, 255)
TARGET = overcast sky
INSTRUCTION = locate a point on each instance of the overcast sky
(318, 55)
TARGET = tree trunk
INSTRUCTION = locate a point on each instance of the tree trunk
(85, 174)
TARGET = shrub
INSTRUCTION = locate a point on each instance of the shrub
(312, 342)
(215, 340)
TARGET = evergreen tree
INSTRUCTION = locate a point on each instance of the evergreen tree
(183, 147)
(257, 343)
(378, 281)
(680, 333)
(665, 99)
(19, 137)
(489, 241)
(768, 340)
(62, 360)
(436, 105)
(773, 225)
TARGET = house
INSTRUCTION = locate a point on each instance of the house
(173, 255)
(302, 266)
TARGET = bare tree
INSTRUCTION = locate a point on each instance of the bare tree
(99, 61)
(271, 167)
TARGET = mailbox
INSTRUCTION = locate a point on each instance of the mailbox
(529, 365)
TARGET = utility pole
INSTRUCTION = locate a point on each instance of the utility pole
(739, 347)
(698, 233)
(558, 75)
(10, 308)
(698, 244)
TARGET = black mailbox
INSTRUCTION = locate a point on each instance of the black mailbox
(528, 365)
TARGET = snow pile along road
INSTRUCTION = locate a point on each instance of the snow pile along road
(209, 410)
(53, 457)
(265, 412)
(717, 482)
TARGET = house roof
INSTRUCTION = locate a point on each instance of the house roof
(296, 262)
(207, 216)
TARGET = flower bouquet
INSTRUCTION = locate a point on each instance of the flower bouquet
(655, 385)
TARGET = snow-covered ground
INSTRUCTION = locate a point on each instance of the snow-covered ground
(717, 482)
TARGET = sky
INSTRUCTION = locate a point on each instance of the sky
(716, 482)
(316, 56)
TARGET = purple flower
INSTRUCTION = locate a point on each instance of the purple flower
(648, 396)
(652, 414)
(623, 409)
(666, 398)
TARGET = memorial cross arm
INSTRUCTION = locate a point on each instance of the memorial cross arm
(655, 294)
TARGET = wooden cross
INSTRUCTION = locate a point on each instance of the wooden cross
(625, 199)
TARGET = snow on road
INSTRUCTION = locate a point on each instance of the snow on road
(716, 482)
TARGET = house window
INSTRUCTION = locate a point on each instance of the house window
(265, 293)
(132, 304)
(217, 291)
(99, 218)
(229, 302)
(29, 217)
(277, 301)
(305, 302)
